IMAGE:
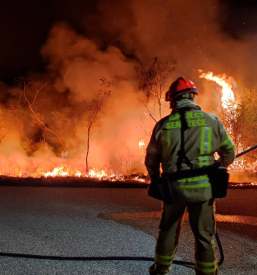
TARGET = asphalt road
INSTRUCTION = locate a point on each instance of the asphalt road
(111, 222)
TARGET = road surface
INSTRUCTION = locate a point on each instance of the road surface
(111, 222)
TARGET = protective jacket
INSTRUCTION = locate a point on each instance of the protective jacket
(205, 136)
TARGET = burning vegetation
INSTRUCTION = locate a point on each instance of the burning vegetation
(91, 114)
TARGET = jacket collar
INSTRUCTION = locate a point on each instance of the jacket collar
(183, 103)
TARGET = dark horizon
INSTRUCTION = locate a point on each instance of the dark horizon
(25, 28)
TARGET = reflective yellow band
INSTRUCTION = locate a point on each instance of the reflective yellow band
(209, 140)
(196, 182)
(228, 143)
(225, 141)
(203, 161)
(206, 263)
(206, 267)
(164, 260)
(199, 178)
(202, 141)
(201, 185)
(206, 140)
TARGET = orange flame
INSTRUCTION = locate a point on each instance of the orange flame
(65, 170)
(222, 80)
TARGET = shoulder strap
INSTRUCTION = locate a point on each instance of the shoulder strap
(181, 153)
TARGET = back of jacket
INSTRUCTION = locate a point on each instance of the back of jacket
(205, 136)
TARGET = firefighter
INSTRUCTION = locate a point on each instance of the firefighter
(203, 135)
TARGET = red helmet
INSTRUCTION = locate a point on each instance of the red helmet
(179, 87)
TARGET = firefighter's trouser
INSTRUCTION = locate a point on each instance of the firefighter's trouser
(202, 222)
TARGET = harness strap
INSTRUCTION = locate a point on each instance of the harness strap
(181, 153)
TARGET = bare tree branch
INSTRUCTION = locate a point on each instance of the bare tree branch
(4, 134)
(36, 115)
(152, 81)
(94, 109)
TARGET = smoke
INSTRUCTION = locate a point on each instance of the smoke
(192, 33)
(75, 67)
(119, 34)
(80, 64)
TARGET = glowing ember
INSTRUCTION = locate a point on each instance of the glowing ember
(141, 144)
(245, 184)
(226, 83)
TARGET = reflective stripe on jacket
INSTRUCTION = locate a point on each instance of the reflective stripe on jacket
(205, 136)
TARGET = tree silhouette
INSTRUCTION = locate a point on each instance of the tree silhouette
(94, 109)
(152, 80)
(37, 116)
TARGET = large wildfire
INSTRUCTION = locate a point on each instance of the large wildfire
(46, 166)
(66, 127)
(65, 167)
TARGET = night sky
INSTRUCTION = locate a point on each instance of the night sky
(24, 27)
